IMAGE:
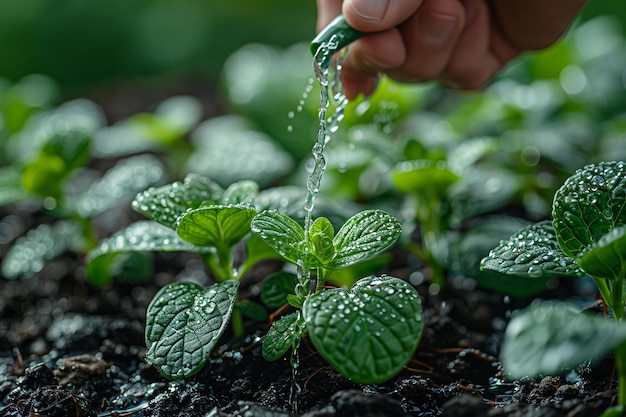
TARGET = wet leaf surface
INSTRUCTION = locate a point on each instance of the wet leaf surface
(368, 333)
(589, 205)
(533, 252)
(184, 323)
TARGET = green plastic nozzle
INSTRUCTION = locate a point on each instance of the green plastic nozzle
(344, 33)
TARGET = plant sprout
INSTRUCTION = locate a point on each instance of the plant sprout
(587, 237)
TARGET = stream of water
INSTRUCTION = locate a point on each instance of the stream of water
(328, 75)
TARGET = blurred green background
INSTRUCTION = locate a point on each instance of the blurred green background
(89, 45)
(84, 44)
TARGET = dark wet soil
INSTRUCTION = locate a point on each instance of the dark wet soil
(69, 349)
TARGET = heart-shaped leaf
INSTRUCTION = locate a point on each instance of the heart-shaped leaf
(369, 333)
(216, 226)
(550, 337)
(282, 335)
(166, 204)
(532, 252)
(281, 232)
(228, 149)
(589, 205)
(364, 235)
(242, 192)
(183, 324)
(607, 257)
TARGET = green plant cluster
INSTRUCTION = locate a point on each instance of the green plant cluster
(587, 237)
(442, 176)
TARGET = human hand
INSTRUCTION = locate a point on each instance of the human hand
(460, 43)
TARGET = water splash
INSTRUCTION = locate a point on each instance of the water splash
(324, 72)
(296, 390)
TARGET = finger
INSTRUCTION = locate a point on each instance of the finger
(477, 56)
(378, 15)
(327, 10)
(430, 37)
(369, 56)
(359, 84)
(535, 24)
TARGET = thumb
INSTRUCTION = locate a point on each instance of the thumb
(378, 15)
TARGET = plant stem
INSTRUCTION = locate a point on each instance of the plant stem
(221, 264)
(612, 291)
(236, 323)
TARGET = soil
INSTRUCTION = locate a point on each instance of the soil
(70, 349)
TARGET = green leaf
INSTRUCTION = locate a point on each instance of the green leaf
(369, 333)
(550, 337)
(424, 176)
(32, 252)
(364, 235)
(281, 232)
(589, 205)
(277, 287)
(45, 175)
(607, 257)
(120, 184)
(295, 300)
(228, 149)
(321, 236)
(216, 226)
(282, 335)
(532, 252)
(183, 324)
(242, 192)
(166, 204)
(142, 236)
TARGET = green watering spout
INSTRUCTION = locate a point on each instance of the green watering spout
(344, 35)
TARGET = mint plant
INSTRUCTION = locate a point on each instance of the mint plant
(380, 317)
(367, 333)
(587, 237)
(184, 321)
(49, 172)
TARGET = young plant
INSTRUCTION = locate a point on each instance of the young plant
(367, 333)
(50, 168)
(587, 237)
(184, 321)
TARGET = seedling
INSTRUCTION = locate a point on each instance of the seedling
(184, 321)
(50, 168)
(368, 333)
(379, 320)
(587, 237)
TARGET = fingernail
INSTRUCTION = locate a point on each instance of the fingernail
(370, 9)
(436, 28)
